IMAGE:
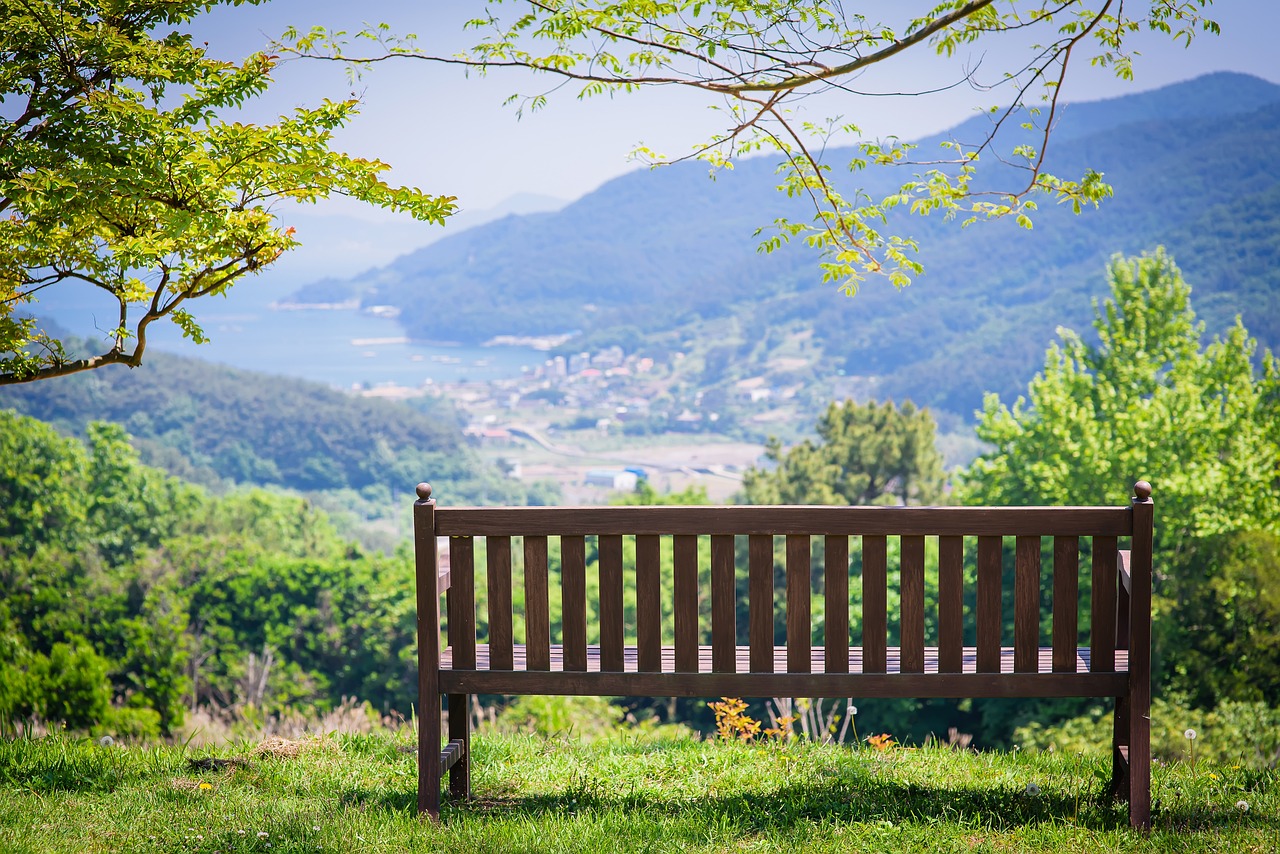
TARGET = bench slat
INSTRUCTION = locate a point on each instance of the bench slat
(724, 630)
(537, 613)
(799, 589)
(922, 521)
(649, 601)
(1026, 604)
(1102, 624)
(760, 602)
(611, 622)
(1066, 592)
(684, 568)
(462, 602)
(988, 606)
(573, 560)
(911, 571)
(950, 603)
(498, 565)
(875, 606)
(836, 604)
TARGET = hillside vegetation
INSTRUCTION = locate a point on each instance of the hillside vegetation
(669, 253)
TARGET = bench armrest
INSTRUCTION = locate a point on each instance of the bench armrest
(443, 580)
(1123, 565)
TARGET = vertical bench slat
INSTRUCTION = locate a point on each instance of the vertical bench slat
(684, 567)
(1026, 606)
(724, 630)
(1102, 625)
(649, 603)
(836, 605)
(911, 580)
(462, 602)
(875, 603)
(799, 589)
(573, 562)
(988, 616)
(537, 613)
(1066, 593)
(498, 562)
(760, 602)
(950, 604)
(611, 635)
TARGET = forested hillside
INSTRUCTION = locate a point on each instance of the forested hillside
(1193, 170)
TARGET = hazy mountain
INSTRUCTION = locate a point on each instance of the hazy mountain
(1192, 166)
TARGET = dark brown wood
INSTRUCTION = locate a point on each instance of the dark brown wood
(573, 589)
(988, 606)
(892, 685)
(950, 603)
(724, 629)
(799, 591)
(911, 591)
(760, 602)
(1120, 777)
(427, 571)
(921, 521)
(611, 621)
(1066, 604)
(1026, 604)
(649, 601)
(458, 758)
(1140, 560)
(875, 603)
(537, 611)
(498, 561)
(835, 630)
(462, 602)
(684, 568)
(1102, 623)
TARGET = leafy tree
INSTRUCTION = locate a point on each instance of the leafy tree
(758, 59)
(866, 453)
(117, 170)
(1202, 423)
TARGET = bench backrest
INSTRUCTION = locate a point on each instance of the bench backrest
(648, 553)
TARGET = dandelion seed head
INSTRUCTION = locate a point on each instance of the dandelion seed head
(262, 834)
(1190, 734)
(1243, 806)
(1033, 789)
(853, 710)
(106, 741)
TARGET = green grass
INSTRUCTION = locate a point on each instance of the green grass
(635, 793)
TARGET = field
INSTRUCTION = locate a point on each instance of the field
(629, 792)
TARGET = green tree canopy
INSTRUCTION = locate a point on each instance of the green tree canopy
(1202, 424)
(118, 169)
(757, 60)
(866, 453)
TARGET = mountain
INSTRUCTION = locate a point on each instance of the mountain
(1192, 166)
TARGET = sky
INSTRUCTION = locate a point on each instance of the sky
(448, 133)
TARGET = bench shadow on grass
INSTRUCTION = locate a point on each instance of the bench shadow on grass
(866, 798)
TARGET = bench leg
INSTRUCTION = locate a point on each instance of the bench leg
(429, 758)
(1120, 778)
(1139, 712)
(460, 730)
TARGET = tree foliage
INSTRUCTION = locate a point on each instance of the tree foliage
(1202, 424)
(117, 169)
(866, 453)
(758, 60)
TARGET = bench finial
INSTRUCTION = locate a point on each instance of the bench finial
(1142, 490)
(424, 491)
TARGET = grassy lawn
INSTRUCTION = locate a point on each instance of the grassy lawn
(633, 793)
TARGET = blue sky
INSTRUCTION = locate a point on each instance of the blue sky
(448, 133)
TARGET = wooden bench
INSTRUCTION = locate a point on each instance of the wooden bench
(630, 658)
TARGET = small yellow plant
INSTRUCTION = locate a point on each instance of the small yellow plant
(732, 720)
(883, 741)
